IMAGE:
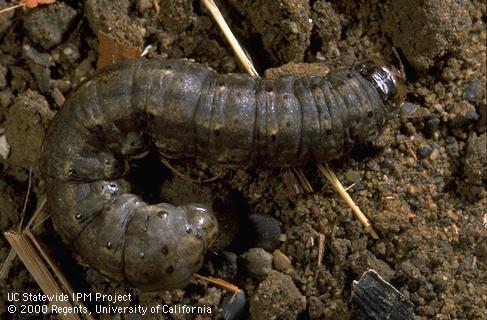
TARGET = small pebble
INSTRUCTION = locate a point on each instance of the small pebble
(452, 147)
(424, 151)
(257, 262)
(281, 261)
(265, 231)
(434, 123)
(4, 147)
(435, 155)
(352, 176)
(408, 109)
(475, 91)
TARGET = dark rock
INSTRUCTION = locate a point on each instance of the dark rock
(434, 123)
(265, 231)
(424, 151)
(475, 91)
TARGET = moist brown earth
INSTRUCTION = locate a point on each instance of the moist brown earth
(422, 183)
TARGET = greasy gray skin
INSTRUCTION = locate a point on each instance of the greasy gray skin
(183, 109)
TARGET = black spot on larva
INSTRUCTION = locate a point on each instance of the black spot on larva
(113, 185)
(170, 270)
(269, 89)
(165, 250)
(188, 229)
(370, 114)
(71, 172)
(314, 87)
(328, 132)
(217, 132)
(288, 124)
(273, 137)
(147, 217)
(167, 67)
(285, 97)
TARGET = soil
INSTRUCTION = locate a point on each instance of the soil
(422, 183)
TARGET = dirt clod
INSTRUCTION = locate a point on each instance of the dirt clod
(257, 262)
(426, 31)
(25, 127)
(47, 25)
(476, 159)
(276, 298)
(285, 29)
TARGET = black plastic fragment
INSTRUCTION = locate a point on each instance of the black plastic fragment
(376, 299)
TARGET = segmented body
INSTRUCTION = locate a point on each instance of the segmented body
(184, 109)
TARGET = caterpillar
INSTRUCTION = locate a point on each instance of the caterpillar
(184, 109)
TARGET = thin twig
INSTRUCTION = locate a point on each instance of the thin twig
(332, 178)
(241, 56)
(22, 245)
(12, 7)
(321, 248)
(219, 282)
(26, 200)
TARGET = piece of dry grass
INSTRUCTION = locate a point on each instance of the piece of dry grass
(51, 281)
(330, 175)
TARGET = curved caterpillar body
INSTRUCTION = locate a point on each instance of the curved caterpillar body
(184, 109)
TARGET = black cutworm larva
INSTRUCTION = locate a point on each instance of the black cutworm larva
(184, 109)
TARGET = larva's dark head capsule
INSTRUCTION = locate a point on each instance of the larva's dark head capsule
(387, 80)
